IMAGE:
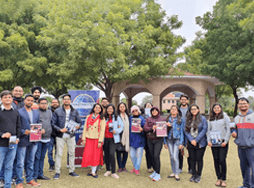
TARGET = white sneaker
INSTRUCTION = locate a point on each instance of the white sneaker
(107, 173)
(115, 176)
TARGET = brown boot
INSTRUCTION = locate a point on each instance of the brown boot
(33, 183)
(19, 185)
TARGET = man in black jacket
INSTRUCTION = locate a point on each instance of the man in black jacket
(9, 135)
(18, 101)
(60, 120)
(52, 144)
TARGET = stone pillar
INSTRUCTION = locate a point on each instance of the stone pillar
(212, 101)
(129, 103)
(115, 100)
(192, 101)
(201, 103)
(157, 101)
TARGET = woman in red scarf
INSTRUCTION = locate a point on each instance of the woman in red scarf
(93, 136)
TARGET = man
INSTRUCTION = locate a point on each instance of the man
(244, 135)
(43, 145)
(36, 92)
(17, 103)
(52, 144)
(26, 149)
(104, 103)
(60, 120)
(9, 131)
(183, 107)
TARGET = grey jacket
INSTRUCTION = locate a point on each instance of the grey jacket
(45, 119)
(222, 125)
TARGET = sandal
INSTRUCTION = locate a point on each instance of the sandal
(218, 183)
(171, 176)
(223, 184)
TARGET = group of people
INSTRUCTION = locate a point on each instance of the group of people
(108, 132)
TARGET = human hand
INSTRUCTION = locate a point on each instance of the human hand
(210, 144)
(17, 141)
(27, 132)
(168, 124)
(234, 135)
(223, 144)
(194, 142)
(180, 146)
(154, 127)
(166, 146)
(64, 130)
(77, 127)
(42, 131)
(114, 132)
(99, 145)
(140, 129)
(6, 135)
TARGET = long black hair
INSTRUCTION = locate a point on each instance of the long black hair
(179, 120)
(101, 112)
(126, 110)
(113, 114)
(213, 116)
(189, 119)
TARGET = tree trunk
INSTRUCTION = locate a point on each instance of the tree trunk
(236, 100)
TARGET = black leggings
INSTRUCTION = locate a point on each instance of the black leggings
(220, 165)
(181, 160)
(154, 148)
(196, 155)
(109, 151)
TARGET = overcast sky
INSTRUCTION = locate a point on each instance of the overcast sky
(187, 11)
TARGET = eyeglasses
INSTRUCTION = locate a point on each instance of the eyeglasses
(242, 104)
(66, 99)
(43, 103)
(194, 109)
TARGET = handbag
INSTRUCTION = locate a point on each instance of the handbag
(120, 147)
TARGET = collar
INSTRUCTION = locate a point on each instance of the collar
(3, 108)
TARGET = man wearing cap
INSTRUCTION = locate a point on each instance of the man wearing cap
(244, 135)
(59, 121)
(26, 149)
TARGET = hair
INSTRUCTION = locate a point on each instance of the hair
(55, 99)
(105, 98)
(42, 99)
(28, 95)
(113, 114)
(184, 95)
(6, 92)
(142, 110)
(118, 109)
(179, 120)
(101, 113)
(67, 94)
(244, 99)
(147, 103)
(189, 119)
(213, 116)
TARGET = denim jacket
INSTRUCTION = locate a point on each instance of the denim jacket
(202, 129)
(118, 130)
(59, 117)
(177, 130)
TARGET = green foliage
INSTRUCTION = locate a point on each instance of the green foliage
(251, 100)
(229, 111)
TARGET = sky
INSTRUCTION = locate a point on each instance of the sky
(187, 11)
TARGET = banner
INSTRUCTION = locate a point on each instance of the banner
(83, 101)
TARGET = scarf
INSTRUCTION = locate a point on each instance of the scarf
(126, 134)
(17, 100)
(91, 121)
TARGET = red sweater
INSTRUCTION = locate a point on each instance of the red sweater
(107, 133)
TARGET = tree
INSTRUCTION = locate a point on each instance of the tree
(134, 102)
(228, 50)
(104, 42)
(148, 98)
(251, 100)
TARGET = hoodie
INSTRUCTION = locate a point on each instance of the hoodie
(245, 130)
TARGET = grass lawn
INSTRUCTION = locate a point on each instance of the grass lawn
(234, 178)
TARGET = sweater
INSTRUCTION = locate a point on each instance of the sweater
(9, 122)
(45, 119)
(92, 131)
(148, 128)
(245, 130)
(137, 139)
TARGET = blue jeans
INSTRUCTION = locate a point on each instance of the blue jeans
(173, 147)
(7, 157)
(39, 159)
(246, 157)
(122, 158)
(50, 151)
(26, 153)
(14, 174)
(136, 156)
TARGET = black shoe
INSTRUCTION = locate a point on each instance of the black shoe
(74, 174)
(192, 179)
(190, 171)
(43, 178)
(89, 174)
(2, 183)
(197, 179)
(56, 177)
(51, 168)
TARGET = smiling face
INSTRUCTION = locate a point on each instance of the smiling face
(184, 101)
(67, 101)
(36, 94)
(7, 99)
(29, 101)
(155, 112)
(97, 109)
(194, 110)
(148, 105)
(174, 111)
(18, 92)
(135, 112)
(43, 104)
(243, 105)
(110, 110)
(217, 109)
(122, 108)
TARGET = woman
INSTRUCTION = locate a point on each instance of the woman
(174, 140)
(137, 140)
(92, 139)
(195, 132)
(122, 155)
(219, 124)
(114, 126)
(154, 143)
